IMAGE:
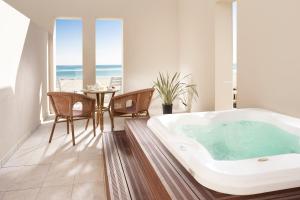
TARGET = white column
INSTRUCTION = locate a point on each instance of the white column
(51, 65)
(89, 51)
(51, 61)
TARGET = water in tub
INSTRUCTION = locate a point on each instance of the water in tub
(244, 139)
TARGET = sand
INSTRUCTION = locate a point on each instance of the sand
(75, 85)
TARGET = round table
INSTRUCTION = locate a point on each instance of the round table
(100, 102)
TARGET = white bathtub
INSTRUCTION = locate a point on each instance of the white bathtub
(239, 177)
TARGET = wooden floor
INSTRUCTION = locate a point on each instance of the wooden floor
(138, 166)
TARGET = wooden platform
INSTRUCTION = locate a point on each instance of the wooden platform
(138, 166)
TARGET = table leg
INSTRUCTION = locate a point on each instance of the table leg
(101, 111)
(98, 109)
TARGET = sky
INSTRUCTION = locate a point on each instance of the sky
(69, 42)
(109, 39)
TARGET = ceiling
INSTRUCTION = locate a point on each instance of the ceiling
(44, 12)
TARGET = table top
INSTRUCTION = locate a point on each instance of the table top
(94, 91)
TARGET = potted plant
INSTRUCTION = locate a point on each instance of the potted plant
(172, 87)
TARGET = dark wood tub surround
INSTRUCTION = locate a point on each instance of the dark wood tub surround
(138, 166)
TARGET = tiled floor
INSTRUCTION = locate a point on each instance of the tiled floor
(57, 171)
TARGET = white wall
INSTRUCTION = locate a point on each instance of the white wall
(223, 55)
(159, 35)
(196, 48)
(23, 72)
(269, 55)
(14, 26)
(150, 33)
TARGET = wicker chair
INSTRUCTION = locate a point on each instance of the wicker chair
(63, 106)
(132, 104)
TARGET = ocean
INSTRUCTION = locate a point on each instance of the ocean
(75, 71)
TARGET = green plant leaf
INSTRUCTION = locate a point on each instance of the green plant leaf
(171, 87)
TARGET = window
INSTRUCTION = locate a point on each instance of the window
(109, 53)
(68, 55)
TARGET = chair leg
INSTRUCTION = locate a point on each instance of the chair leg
(94, 126)
(87, 124)
(53, 127)
(111, 121)
(101, 122)
(72, 127)
(68, 126)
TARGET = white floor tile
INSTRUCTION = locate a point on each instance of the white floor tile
(29, 194)
(30, 177)
(8, 177)
(61, 173)
(39, 170)
(89, 191)
(55, 193)
(89, 171)
(39, 155)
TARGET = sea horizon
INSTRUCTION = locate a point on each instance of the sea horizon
(75, 71)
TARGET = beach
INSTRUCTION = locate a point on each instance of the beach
(75, 85)
(69, 77)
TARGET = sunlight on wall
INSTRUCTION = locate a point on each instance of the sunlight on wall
(13, 30)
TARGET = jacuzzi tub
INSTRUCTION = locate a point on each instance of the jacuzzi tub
(234, 176)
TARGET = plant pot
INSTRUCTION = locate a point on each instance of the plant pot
(167, 109)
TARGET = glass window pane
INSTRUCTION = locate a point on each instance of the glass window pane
(109, 53)
(68, 55)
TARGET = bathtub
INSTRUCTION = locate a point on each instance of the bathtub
(237, 177)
